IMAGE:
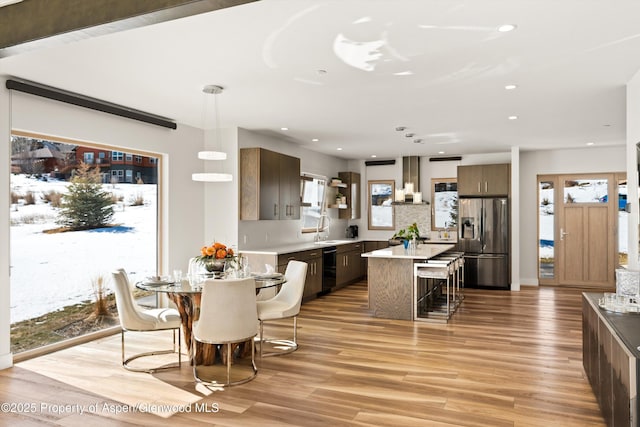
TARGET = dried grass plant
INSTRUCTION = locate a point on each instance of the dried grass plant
(101, 307)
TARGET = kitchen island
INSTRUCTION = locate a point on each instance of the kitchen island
(390, 277)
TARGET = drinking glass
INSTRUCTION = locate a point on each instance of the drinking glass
(177, 276)
(229, 270)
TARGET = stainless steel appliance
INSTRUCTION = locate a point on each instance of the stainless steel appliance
(483, 235)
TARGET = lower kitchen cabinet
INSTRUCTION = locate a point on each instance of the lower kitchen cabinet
(313, 258)
(348, 264)
(610, 358)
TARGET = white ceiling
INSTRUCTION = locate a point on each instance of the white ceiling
(437, 67)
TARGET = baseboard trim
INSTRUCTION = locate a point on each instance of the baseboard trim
(6, 361)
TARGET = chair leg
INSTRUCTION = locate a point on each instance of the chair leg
(285, 345)
(228, 364)
(261, 337)
(126, 361)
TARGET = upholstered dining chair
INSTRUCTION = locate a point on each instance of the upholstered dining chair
(228, 316)
(135, 319)
(286, 304)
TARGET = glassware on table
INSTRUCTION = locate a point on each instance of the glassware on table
(230, 270)
(177, 276)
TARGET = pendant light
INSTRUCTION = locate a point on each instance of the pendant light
(212, 155)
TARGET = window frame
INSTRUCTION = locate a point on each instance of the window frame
(323, 181)
(370, 185)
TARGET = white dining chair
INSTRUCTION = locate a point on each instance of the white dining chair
(286, 304)
(228, 315)
(135, 319)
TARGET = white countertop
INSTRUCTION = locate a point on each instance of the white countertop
(297, 247)
(424, 251)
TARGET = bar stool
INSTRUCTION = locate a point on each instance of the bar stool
(458, 259)
(435, 272)
(452, 263)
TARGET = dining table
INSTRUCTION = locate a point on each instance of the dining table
(186, 295)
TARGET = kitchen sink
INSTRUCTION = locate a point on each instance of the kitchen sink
(331, 242)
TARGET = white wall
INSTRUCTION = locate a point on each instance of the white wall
(6, 359)
(633, 138)
(182, 200)
(534, 163)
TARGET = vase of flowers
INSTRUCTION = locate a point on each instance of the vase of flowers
(214, 258)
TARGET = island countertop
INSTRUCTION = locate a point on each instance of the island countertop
(423, 251)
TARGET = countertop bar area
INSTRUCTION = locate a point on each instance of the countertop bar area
(390, 277)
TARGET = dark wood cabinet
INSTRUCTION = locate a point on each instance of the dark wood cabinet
(269, 185)
(313, 258)
(610, 359)
(348, 263)
(484, 180)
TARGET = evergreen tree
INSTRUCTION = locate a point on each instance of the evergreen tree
(86, 205)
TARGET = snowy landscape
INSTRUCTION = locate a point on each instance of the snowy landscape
(51, 271)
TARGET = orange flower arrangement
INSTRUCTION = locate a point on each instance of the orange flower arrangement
(217, 251)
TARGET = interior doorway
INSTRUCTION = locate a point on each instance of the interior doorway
(578, 223)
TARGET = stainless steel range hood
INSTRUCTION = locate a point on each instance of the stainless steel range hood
(411, 171)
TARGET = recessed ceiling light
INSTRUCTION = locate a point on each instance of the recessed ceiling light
(510, 87)
(409, 135)
(339, 148)
(440, 152)
(373, 155)
(403, 73)
(591, 143)
(315, 140)
(513, 117)
(606, 125)
(322, 72)
(284, 128)
(400, 128)
(506, 28)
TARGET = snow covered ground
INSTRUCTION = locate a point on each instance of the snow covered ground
(50, 271)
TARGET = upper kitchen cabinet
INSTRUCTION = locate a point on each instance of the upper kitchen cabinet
(484, 180)
(352, 193)
(269, 185)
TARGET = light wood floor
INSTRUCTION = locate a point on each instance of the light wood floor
(505, 359)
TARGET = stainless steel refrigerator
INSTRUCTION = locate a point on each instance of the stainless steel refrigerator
(483, 235)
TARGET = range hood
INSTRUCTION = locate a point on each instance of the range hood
(411, 172)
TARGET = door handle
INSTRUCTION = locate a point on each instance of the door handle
(562, 234)
(486, 186)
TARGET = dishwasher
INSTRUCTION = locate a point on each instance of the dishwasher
(329, 258)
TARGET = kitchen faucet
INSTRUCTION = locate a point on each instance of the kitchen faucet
(318, 227)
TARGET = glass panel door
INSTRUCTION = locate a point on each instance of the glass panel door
(546, 229)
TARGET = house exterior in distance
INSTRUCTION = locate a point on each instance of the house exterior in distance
(59, 160)
(118, 166)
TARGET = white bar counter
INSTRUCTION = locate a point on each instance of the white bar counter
(390, 277)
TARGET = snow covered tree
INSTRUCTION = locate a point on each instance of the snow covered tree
(86, 205)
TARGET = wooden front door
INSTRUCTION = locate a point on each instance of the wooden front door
(587, 231)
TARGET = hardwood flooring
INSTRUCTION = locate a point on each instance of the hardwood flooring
(505, 359)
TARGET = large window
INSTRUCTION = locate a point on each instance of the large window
(60, 272)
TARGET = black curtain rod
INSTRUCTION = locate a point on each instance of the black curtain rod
(88, 102)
